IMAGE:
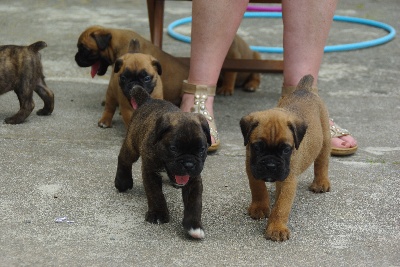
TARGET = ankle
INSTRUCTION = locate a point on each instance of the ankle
(198, 98)
(188, 101)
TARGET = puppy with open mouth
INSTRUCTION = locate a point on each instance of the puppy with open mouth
(99, 47)
(169, 139)
(132, 68)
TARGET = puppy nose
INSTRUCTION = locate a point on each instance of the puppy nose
(271, 166)
(188, 165)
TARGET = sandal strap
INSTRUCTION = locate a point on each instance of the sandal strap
(198, 89)
(337, 131)
(201, 93)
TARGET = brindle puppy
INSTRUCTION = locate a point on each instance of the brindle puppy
(167, 139)
(21, 71)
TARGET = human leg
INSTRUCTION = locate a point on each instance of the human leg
(306, 28)
(214, 25)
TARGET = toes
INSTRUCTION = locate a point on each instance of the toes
(339, 143)
(277, 233)
(349, 139)
(197, 233)
(258, 210)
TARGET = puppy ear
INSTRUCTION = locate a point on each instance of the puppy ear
(206, 128)
(163, 126)
(102, 40)
(134, 46)
(247, 125)
(157, 66)
(118, 65)
(298, 128)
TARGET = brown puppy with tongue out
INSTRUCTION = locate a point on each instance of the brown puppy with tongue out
(133, 68)
(167, 139)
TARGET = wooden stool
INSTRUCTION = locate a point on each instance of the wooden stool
(155, 9)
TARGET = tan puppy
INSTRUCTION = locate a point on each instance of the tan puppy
(281, 143)
(249, 80)
(99, 47)
(21, 71)
(130, 70)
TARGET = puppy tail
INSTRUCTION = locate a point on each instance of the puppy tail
(35, 47)
(140, 95)
(305, 83)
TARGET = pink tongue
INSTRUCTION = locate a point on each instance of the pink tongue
(182, 180)
(133, 103)
(95, 68)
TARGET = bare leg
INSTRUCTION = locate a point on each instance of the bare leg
(306, 28)
(214, 25)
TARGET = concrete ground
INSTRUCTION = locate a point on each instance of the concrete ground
(64, 165)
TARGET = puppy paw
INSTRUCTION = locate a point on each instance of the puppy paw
(320, 187)
(251, 86)
(197, 233)
(43, 112)
(258, 210)
(104, 123)
(157, 217)
(194, 228)
(277, 232)
(123, 184)
(14, 120)
(224, 90)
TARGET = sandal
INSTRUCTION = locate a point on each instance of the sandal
(337, 131)
(201, 92)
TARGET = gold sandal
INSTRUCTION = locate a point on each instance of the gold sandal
(337, 131)
(201, 92)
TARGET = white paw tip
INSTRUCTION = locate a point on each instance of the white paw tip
(196, 233)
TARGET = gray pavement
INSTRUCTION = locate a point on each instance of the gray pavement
(64, 165)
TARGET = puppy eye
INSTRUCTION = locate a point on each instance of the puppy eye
(172, 148)
(202, 150)
(122, 79)
(287, 150)
(258, 147)
(147, 79)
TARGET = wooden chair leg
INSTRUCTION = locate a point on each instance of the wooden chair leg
(155, 10)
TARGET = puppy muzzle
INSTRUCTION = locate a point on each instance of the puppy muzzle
(183, 167)
(270, 169)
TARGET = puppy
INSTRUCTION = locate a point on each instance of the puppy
(249, 80)
(129, 70)
(281, 143)
(167, 139)
(99, 47)
(21, 71)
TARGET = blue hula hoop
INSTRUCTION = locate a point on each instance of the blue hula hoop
(279, 50)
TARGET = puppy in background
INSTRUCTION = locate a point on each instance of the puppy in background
(131, 69)
(21, 71)
(281, 143)
(250, 81)
(167, 139)
(99, 47)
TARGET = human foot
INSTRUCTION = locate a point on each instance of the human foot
(342, 143)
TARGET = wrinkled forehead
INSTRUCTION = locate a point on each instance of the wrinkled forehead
(137, 60)
(273, 131)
